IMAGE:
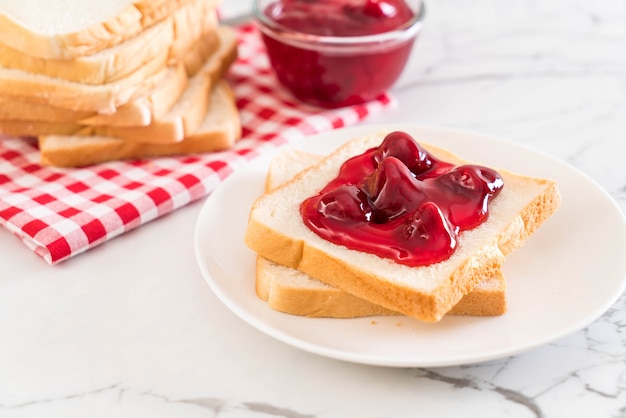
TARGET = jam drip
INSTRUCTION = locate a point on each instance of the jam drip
(399, 202)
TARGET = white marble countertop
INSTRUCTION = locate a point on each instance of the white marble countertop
(147, 337)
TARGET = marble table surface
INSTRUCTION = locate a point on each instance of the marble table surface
(147, 337)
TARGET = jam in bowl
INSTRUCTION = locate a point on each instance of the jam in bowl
(334, 53)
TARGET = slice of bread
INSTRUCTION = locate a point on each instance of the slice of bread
(16, 84)
(291, 291)
(104, 98)
(53, 31)
(179, 32)
(212, 55)
(181, 119)
(150, 105)
(275, 231)
(219, 130)
(102, 67)
(22, 117)
(191, 23)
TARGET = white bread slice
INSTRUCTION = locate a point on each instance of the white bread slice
(219, 45)
(186, 115)
(151, 105)
(219, 130)
(192, 22)
(180, 120)
(102, 67)
(121, 60)
(72, 28)
(173, 78)
(104, 98)
(19, 117)
(209, 43)
(276, 231)
(291, 291)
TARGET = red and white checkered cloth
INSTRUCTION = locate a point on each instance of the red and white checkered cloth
(59, 213)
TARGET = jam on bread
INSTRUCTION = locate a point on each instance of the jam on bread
(400, 202)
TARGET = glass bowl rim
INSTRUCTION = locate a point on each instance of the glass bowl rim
(403, 32)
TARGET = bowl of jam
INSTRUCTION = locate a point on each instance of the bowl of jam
(334, 53)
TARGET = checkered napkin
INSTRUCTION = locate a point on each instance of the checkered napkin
(59, 213)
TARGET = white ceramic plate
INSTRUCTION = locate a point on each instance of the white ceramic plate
(565, 276)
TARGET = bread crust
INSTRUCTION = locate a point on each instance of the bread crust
(429, 307)
(180, 121)
(71, 45)
(314, 303)
(149, 104)
(103, 82)
(18, 85)
(99, 68)
(487, 298)
(131, 20)
(219, 130)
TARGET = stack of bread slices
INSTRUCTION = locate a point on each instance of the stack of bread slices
(301, 273)
(118, 79)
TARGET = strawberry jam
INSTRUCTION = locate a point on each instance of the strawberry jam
(334, 53)
(399, 202)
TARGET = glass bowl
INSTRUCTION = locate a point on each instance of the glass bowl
(330, 70)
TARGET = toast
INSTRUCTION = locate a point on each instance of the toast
(291, 291)
(276, 231)
(219, 130)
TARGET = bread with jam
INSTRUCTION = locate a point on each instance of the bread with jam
(425, 290)
(291, 291)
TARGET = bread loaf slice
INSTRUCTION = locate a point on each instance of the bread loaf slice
(275, 231)
(179, 32)
(192, 22)
(205, 64)
(104, 98)
(20, 85)
(291, 291)
(20, 117)
(64, 31)
(102, 67)
(179, 120)
(219, 130)
(151, 104)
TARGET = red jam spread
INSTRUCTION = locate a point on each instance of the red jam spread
(338, 75)
(399, 202)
